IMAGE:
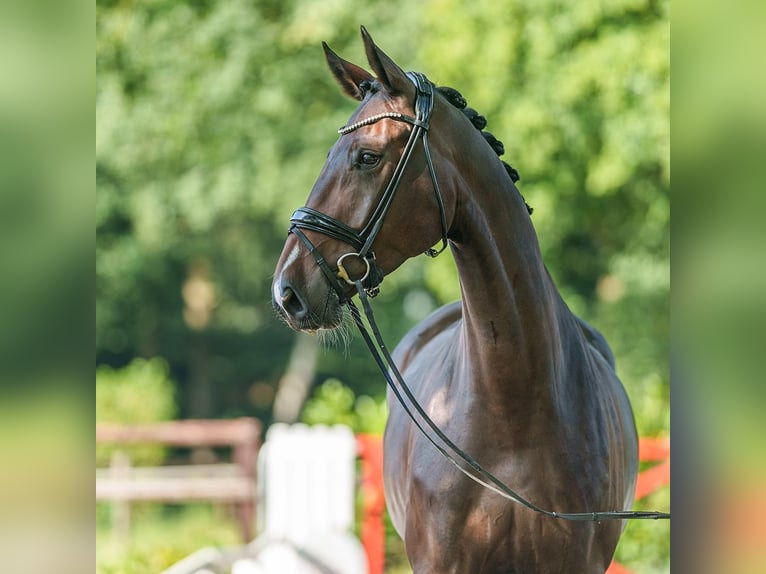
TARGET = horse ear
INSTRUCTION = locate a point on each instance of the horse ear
(348, 75)
(389, 74)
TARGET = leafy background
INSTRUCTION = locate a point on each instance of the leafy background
(212, 122)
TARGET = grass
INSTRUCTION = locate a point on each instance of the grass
(644, 547)
(161, 535)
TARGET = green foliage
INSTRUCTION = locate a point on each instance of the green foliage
(213, 120)
(645, 545)
(335, 403)
(141, 392)
(161, 536)
(579, 93)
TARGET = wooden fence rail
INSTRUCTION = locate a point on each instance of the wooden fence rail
(235, 483)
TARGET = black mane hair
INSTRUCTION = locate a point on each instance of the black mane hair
(480, 122)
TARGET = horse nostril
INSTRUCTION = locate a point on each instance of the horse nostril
(293, 304)
(287, 294)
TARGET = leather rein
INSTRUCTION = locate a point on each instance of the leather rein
(369, 286)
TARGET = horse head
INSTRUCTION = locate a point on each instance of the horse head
(376, 202)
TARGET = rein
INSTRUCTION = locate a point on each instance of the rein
(478, 473)
(369, 286)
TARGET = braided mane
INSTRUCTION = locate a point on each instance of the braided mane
(480, 122)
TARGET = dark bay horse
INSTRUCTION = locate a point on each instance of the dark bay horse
(509, 373)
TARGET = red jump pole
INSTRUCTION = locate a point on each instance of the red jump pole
(373, 529)
(650, 449)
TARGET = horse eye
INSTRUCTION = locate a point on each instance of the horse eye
(368, 159)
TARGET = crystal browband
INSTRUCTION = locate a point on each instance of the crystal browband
(377, 117)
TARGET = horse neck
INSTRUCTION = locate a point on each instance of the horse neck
(512, 312)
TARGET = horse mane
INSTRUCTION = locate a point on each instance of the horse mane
(480, 122)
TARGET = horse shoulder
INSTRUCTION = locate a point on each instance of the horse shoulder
(422, 333)
(596, 340)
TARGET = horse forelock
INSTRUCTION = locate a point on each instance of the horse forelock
(369, 87)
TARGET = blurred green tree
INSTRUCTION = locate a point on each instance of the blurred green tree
(140, 392)
(213, 119)
(579, 93)
(335, 403)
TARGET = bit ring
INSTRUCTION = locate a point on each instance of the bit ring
(343, 274)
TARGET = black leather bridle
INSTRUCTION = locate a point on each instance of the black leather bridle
(369, 285)
(362, 241)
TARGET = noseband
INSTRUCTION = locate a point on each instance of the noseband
(361, 241)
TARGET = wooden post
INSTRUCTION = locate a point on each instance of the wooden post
(119, 469)
(245, 454)
(243, 435)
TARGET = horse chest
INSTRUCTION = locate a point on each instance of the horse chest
(450, 523)
(424, 489)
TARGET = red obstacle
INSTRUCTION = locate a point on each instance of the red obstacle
(373, 532)
(653, 450)
(649, 480)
